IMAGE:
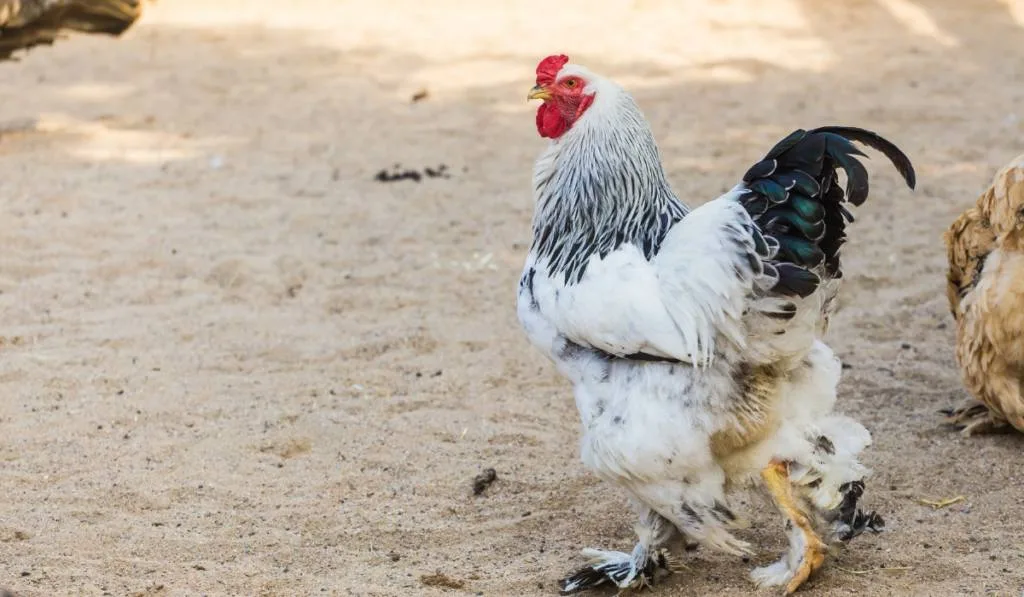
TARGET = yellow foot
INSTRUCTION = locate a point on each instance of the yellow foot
(814, 557)
(776, 478)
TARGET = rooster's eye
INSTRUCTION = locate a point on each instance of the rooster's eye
(570, 83)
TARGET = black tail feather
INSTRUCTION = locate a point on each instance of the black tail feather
(794, 197)
(796, 281)
(878, 143)
(844, 154)
(786, 144)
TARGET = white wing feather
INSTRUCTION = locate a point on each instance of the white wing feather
(705, 277)
(676, 306)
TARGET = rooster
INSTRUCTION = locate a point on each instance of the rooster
(692, 336)
(27, 23)
(985, 286)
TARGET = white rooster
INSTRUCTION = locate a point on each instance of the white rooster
(692, 337)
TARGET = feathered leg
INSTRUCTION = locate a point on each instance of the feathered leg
(823, 491)
(831, 478)
(697, 509)
(807, 550)
(626, 570)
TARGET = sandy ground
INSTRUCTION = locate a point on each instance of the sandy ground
(232, 363)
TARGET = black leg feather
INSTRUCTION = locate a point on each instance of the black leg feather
(850, 520)
(590, 577)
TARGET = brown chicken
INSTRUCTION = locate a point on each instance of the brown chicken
(27, 23)
(985, 286)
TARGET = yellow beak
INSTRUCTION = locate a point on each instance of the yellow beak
(539, 92)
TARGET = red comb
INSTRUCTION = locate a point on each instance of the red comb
(549, 67)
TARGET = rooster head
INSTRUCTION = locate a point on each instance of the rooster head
(565, 96)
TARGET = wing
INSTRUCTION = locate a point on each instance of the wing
(709, 266)
(673, 307)
(968, 241)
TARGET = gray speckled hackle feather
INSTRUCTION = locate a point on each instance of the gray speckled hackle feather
(595, 200)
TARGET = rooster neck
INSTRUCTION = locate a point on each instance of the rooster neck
(600, 186)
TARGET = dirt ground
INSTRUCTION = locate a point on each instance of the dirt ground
(233, 363)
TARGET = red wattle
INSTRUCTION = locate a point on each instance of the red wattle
(550, 122)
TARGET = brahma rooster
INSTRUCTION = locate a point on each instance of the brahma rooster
(692, 336)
